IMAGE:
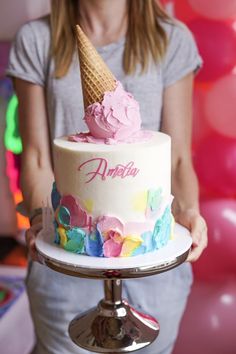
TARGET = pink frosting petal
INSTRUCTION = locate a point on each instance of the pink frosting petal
(78, 215)
(112, 248)
(106, 223)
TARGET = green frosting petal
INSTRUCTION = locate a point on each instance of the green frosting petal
(76, 240)
(64, 216)
(154, 198)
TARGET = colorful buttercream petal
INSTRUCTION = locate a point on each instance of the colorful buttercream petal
(107, 223)
(162, 229)
(112, 248)
(55, 197)
(77, 214)
(148, 241)
(88, 205)
(75, 233)
(63, 237)
(94, 245)
(154, 202)
(114, 235)
(140, 201)
(63, 216)
(139, 250)
(76, 241)
(147, 244)
(154, 199)
(130, 244)
(57, 237)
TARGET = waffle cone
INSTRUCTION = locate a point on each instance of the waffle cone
(96, 77)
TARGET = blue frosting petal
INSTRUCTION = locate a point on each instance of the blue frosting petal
(55, 196)
(146, 246)
(139, 250)
(162, 229)
(94, 244)
(57, 237)
(148, 241)
(76, 240)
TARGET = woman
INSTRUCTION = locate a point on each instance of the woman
(155, 59)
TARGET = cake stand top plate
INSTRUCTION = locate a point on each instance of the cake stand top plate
(168, 257)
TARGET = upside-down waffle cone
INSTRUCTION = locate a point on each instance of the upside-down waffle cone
(96, 77)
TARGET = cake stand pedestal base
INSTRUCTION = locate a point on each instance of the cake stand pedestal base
(113, 326)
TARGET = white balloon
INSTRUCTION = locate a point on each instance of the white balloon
(14, 13)
(214, 9)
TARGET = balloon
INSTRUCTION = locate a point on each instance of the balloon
(8, 214)
(217, 44)
(219, 258)
(208, 325)
(14, 14)
(215, 164)
(201, 127)
(214, 9)
(219, 106)
(183, 10)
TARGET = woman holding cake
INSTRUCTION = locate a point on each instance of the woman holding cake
(155, 58)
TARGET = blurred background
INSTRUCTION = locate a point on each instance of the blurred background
(209, 322)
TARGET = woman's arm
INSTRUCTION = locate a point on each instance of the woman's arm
(177, 122)
(36, 165)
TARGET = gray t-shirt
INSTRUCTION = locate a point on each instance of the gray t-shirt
(30, 61)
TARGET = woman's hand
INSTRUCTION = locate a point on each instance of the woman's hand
(31, 235)
(193, 221)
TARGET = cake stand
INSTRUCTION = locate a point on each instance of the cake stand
(113, 326)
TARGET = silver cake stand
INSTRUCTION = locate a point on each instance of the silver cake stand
(113, 326)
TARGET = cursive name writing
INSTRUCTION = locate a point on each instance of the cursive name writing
(102, 170)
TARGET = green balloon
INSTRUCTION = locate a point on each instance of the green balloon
(12, 136)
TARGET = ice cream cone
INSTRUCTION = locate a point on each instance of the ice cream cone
(96, 77)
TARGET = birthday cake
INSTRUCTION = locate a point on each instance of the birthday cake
(112, 190)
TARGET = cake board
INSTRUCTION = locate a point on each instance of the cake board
(113, 326)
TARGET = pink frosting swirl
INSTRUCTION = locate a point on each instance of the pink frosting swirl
(117, 117)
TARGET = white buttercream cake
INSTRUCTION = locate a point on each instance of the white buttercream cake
(112, 190)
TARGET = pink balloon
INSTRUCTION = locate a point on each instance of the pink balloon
(217, 44)
(184, 11)
(220, 106)
(219, 258)
(208, 325)
(215, 164)
(214, 9)
(201, 127)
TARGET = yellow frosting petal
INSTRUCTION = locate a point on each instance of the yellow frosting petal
(88, 205)
(63, 237)
(131, 242)
(140, 201)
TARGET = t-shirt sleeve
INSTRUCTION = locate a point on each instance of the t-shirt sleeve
(26, 59)
(182, 56)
